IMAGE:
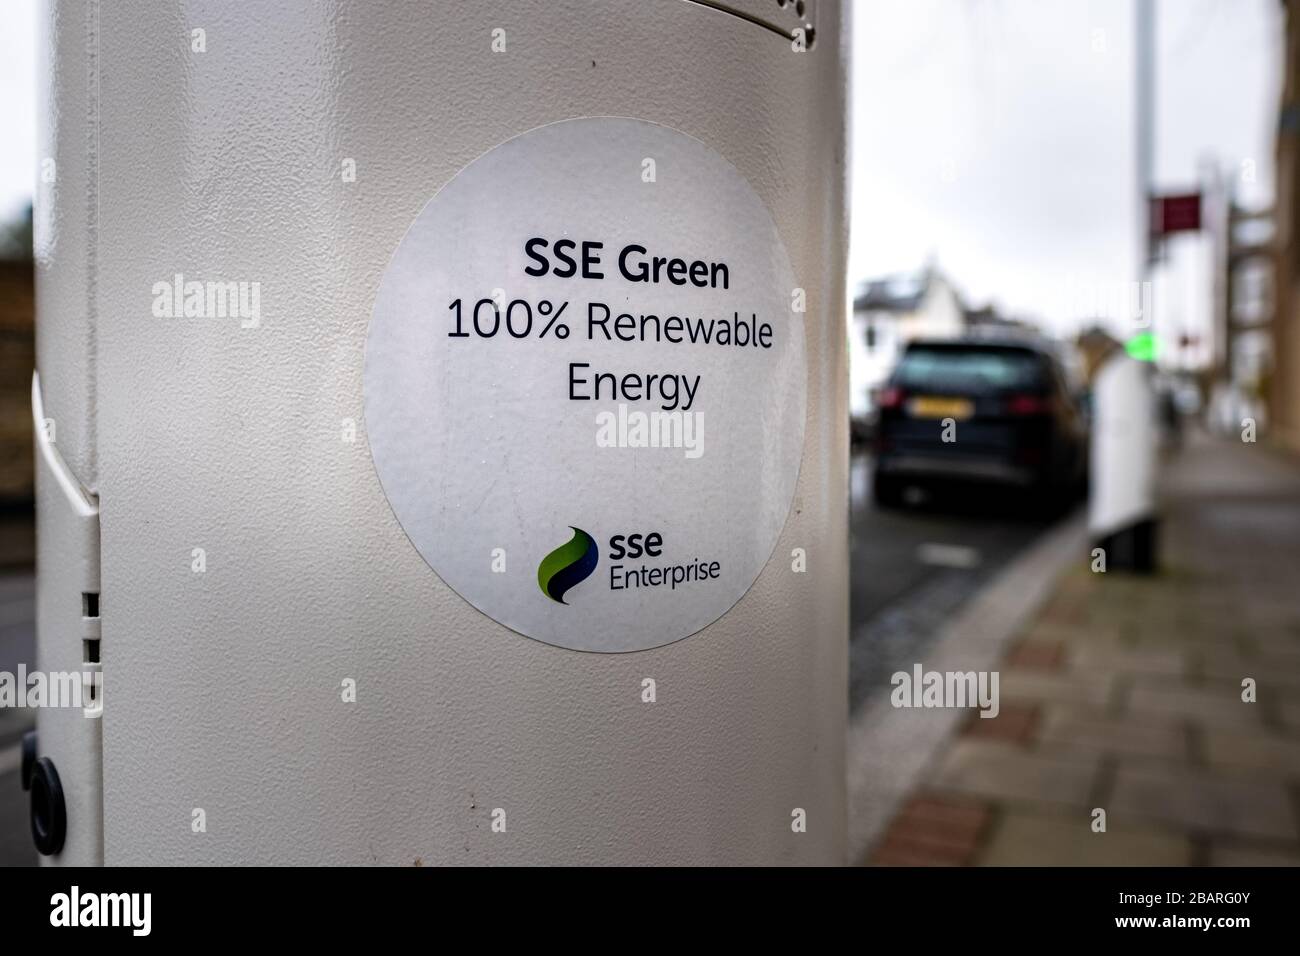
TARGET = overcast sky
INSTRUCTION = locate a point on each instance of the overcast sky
(994, 137)
(997, 137)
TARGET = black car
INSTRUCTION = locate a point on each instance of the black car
(996, 412)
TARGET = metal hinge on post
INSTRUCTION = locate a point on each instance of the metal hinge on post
(67, 779)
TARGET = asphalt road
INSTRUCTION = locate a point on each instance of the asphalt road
(912, 568)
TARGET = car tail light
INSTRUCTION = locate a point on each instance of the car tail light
(891, 398)
(1028, 405)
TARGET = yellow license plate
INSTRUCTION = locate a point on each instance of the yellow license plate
(926, 406)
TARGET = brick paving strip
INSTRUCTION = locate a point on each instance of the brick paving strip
(1123, 693)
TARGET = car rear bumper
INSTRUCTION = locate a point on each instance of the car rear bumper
(956, 468)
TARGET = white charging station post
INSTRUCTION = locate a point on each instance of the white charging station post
(344, 622)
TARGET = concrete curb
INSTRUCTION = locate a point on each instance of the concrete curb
(888, 749)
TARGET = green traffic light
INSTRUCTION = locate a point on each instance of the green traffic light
(1142, 347)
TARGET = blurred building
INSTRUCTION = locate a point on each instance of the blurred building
(17, 359)
(1094, 345)
(887, 314)
(988, 319)
(1284, 380)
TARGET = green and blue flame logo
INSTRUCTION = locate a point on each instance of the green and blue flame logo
(568, 565)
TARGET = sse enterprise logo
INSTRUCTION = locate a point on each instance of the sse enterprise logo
(572, 563)
(568, 565)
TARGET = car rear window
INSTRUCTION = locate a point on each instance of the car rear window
(978, 368)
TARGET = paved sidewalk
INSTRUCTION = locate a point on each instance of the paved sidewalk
(1125, 694)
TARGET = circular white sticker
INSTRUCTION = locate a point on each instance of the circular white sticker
(585, 384)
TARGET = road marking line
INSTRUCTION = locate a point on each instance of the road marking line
(948, 555)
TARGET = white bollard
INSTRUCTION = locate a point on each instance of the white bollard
(1122, 515)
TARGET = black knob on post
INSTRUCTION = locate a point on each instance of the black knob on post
(49, 814)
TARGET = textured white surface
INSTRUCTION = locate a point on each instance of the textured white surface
(224, 687)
